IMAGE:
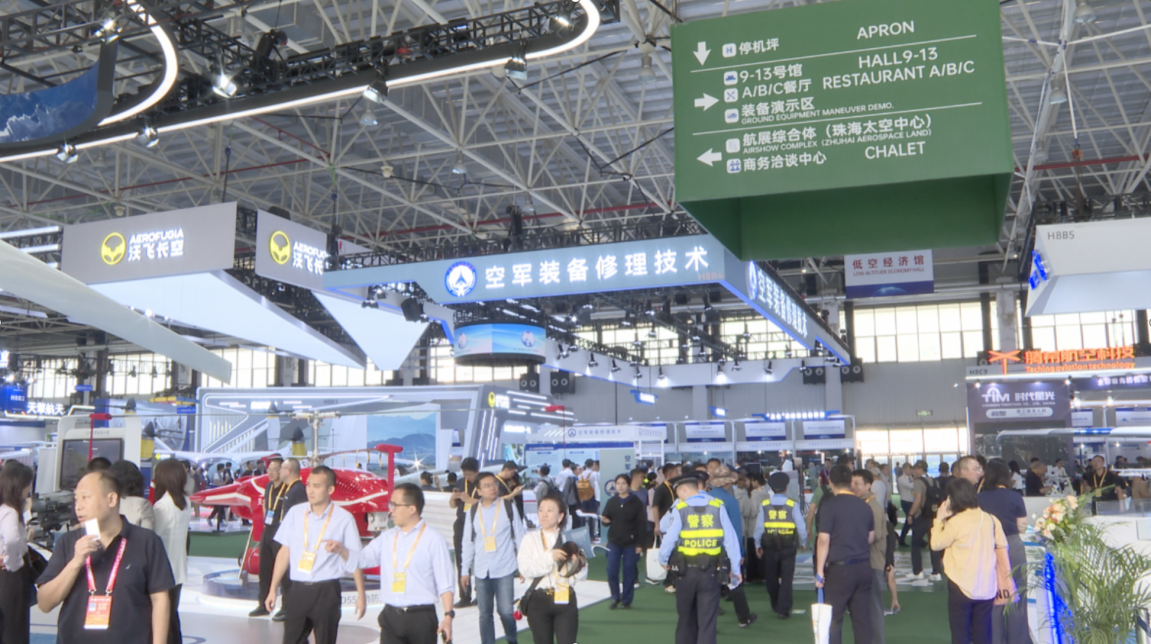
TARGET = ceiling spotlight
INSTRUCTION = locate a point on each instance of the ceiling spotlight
(746, 334)
(369, 304)
(110, 26)
(648, 309)
(767, 369)
(662, 378)
(132, 373)
(573, 349)
(626, 319)
(223, 85)
(377, 91)
(614, 367)
(646, 73)
(1084, 13)
(459, 167)
(706, 303)
(67, 153)
(562, 20)
(1057, 96)
(737, 366)
(368, 119)
(633, 363)
(722, 360)
(517, 66)
(591, 363)
(638, 374)
(148, 137)
(387, 170)
(637, 343)
(652, 333)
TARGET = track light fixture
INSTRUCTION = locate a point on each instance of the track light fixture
(377, 91)
(746, 333)
(638, 373)
(67, 153)
(223, 85)
(648, 309)
(652, 333)
(148, 137)
(662, 378)
(1058, 95)
(591, 363)
(626, 319)
(767, 369)
(517, 66)
(563, 19)
(614, 367)
(736, 366)
(633, 363)
(637, 343)
(110, 27)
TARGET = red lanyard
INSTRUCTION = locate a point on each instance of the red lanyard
(111, 575)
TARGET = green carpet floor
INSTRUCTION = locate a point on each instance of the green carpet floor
(922, 620)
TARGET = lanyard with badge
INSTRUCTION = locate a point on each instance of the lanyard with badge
(560, 588)
(308, 558)
(400, 577)
(467, 506)
(489, 539)
(99, 612)
(270, 514)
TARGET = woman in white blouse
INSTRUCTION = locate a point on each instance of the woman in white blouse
(15, 585)
(553, 615)
(173, 511)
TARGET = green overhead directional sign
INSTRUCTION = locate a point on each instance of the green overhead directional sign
(856, 126)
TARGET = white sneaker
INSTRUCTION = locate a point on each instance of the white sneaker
(935, 577)
(669, 589)
(920, 577)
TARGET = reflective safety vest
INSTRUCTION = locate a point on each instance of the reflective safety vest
(701, 529)
(779, 525)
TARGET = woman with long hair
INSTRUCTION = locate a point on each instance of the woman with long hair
(173, 512)
(15, 584)
(970, 538)
(133, 505)
(553, 567)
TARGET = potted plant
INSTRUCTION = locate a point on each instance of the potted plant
(1096, 591)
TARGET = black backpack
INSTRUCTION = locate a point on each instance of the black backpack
(569, 492)
(934, 498)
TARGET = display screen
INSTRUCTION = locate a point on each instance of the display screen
(74, 459)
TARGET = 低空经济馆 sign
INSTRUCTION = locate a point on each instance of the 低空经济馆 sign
(858, 126)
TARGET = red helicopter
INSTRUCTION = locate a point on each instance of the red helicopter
(358, 491)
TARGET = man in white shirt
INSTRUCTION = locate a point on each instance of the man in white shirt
(905, 483)
(321, 544)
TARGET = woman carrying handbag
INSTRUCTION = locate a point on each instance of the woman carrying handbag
(975, 562)
(15, 575)
(554, 568)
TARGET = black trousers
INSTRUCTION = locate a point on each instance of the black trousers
(849, 588)
(906, 505)
(15, 595)
(408, 627)
(465, 594)
(739, 601)
(970, 618)
(220, 513)
(268, 551)
(779, 571)
(697, 603)
(752, 566)
(919, 531)
(892, 514)
(175, 636)
(312, 607)
(553, 623)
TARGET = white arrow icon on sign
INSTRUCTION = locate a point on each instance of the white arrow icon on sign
(706, 102)
(701, 52)
(710, 157)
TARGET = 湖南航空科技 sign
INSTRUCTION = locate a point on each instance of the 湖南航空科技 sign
(852, 126)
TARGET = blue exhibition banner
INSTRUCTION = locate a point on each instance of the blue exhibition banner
(83, 387)
(13, 399)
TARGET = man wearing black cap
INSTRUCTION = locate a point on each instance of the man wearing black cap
(701, 547)
(779, 532)
(843, 557)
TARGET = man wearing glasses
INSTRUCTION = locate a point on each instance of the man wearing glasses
(493, 531)
(415, 571)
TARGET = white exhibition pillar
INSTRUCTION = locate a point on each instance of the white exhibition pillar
(1005, 308)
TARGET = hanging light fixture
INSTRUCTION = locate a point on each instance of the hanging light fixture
(1084, 13)
(459, 167)
(368, 118)
(646, 73)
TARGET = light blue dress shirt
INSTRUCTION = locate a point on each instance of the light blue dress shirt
(429, 574)
(796, 515)
(476, 560)
(328, 565)
(671, 534)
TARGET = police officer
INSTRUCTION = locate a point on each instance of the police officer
(779, 532)
(702, 548)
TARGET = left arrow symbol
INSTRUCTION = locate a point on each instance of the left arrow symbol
(710, 157)
(706, 102)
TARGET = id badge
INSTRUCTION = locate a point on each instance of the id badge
(399, 582)
(562, 594)
(307, 560)
(99, 613)
(489, 544)
(467, 507)
(268, 517)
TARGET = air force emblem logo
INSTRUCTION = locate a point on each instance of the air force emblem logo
(460, 279)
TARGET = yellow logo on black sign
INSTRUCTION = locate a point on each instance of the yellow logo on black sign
(112, 249)
(281, 253)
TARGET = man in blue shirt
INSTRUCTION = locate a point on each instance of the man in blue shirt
(702, 547)
(779, 533)
(719, 482)
(493, 530)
